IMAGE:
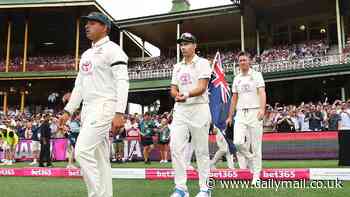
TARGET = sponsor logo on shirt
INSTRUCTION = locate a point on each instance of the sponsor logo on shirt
(86, 67)
(185, 79)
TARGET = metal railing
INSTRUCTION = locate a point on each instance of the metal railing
(278, 66)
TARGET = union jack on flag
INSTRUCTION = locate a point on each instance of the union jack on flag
(219, 80)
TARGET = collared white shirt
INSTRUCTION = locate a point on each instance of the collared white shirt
(247, 88)
(186, 77)
(102, 76)
(345, 120)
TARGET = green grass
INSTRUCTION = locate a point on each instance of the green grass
(61, 187)
(266, 164)
(53, 187)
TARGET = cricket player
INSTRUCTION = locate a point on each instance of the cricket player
(191, 115)
(249, 101)
(102, 85)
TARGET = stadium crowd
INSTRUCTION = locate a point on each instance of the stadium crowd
(307, 49)
(153, 129)
(40, 63)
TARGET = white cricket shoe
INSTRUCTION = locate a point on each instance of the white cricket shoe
(255, 180)
(71, 166)
(190, 167)
(204, 194)
(180, 193)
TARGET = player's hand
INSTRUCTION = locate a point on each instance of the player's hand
(261, 115)
(117, 122)
(180, 98)
(229, 121)
(234, 158)
(63, 119)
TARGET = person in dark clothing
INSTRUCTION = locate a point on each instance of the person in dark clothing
(45, 133)
(333, 121)
(285, 123)
(315, 118)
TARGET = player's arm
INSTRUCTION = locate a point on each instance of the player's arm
(73, 102)
(142, 129)
(262, 96)
(174, 91)
(233, 105)
(119, 68)
(203, 81)
(121, 80)
(75, 98)
(202, 86)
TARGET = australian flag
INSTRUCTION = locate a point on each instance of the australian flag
(220, 100)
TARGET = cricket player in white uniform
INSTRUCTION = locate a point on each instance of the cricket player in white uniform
(249, 100)
(102, 85)
(191, 115)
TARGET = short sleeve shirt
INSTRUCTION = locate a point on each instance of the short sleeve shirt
(246, 86)
(186, 76)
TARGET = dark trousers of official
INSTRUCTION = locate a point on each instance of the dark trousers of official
(344, 147)
(45, 155)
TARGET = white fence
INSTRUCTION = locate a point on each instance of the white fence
(279, 66)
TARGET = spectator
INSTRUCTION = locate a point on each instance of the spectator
(164, 137)
(118, 143)
(315, 118)
(293, 116)
(132, 127)
(147, 129)
(333, 120)
(73, 129)
(345, 117)
(28, 133)
(45, 135)
(35, 142)
(285, 123)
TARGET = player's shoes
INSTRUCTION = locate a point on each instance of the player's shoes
(165, 161)
(255, 180)
(180, 193)
(161, 161)
(190, 167)
(71, 166)
(204, 193)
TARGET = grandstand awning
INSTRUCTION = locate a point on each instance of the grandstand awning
(16, 4)
(213, 24)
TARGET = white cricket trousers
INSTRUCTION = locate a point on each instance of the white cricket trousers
(248, 126)
(194, 119)
(223, 150)
(188, 154)
(92, 147)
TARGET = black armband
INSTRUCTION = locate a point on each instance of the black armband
(119, 63)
